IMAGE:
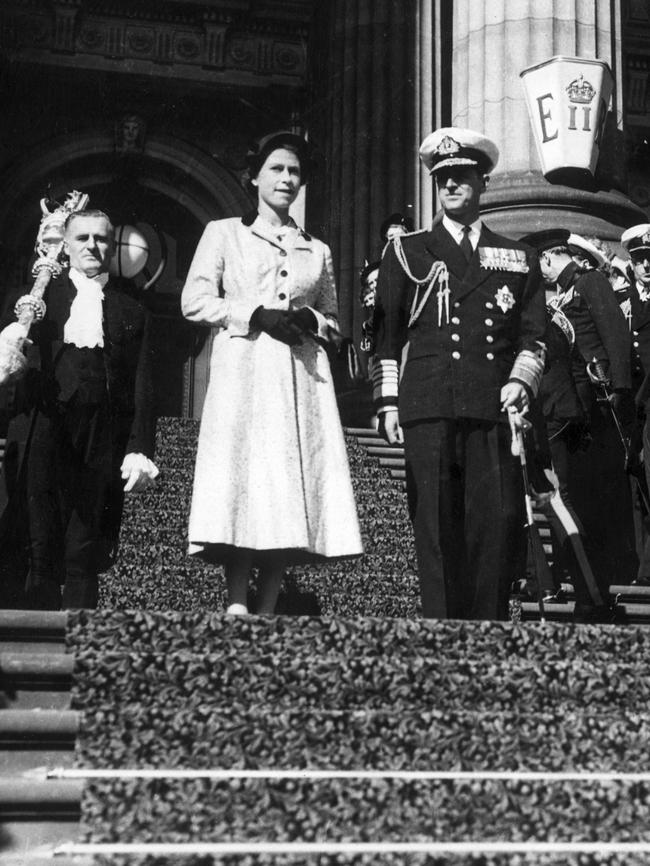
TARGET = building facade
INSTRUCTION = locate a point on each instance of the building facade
(149, 107)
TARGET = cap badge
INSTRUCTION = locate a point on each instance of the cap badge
(447, 147)
(505, 299)
(646, 238)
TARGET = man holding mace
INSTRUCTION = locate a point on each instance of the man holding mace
(84, 429)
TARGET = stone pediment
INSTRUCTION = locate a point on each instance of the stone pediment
(218, 41)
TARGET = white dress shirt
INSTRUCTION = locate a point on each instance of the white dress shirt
(455, 229)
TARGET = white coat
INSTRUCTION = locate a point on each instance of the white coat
(271, 469)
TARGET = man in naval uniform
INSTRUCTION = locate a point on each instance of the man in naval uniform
(636, 241)
(600, 489)
(83, 433)
(461, 312)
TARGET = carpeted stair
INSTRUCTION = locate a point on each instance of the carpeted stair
(162, 679)
(154, 572)
(204, 691)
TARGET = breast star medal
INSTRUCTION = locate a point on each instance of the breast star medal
(505, 299)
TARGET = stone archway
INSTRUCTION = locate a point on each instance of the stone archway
(172, 185)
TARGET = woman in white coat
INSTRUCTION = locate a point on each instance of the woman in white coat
(272, 484)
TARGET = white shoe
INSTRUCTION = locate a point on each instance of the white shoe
(237, 610)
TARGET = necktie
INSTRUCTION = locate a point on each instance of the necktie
(466, 244)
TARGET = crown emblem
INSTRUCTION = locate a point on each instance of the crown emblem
(581, 91)
(447, 146)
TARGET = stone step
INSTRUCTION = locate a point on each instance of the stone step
(36, 812)
(32, 631)
(386, 451)
(50, 726)
(31, 680)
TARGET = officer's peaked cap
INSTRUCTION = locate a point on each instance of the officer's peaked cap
(578, 244)
(636, 238)
(453, 145)
(546, 239)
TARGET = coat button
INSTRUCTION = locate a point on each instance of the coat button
(636, 344)
(283, 273)
(490, 338)
(489, 322)
(455, 320)
(489, 305)
(283, 252)
(636, 333)
(282, 296)
(455, 355)
(490, 356)
(455, 338)
(456, 305)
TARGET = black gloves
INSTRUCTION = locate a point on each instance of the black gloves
(287, 326)
(304, 319)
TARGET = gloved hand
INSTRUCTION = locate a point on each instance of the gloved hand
(138, 472)
(305, 319)
(622, 403)
(278, 324)
(12, 360)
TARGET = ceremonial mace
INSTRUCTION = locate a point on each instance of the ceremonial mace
(30, 308)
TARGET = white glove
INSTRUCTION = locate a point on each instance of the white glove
(15, 333)
(138, 472)
(12, 361)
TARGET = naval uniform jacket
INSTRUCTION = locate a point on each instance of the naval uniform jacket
(116, 378)
(640, 324)
(455, 366)
(601, 331)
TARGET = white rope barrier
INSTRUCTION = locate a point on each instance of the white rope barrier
(351, 848)
(313, 775)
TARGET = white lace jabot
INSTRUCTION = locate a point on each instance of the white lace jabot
(84, 327)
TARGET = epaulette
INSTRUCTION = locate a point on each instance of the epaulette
(399, 238)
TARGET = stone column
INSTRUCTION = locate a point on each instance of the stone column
(433, 45)
(494, 40)
(362, 117)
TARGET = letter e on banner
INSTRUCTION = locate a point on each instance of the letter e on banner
(544, 116)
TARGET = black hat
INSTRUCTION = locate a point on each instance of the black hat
(546, 239)
(395, 219)
(259, 151)
(367, 269)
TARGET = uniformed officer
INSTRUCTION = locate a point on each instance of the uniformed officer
(599, 486)
(461, 311)
(636, 241)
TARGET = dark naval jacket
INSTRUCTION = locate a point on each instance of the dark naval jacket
(454, 366)
(640, 324)
(601, 332)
